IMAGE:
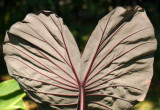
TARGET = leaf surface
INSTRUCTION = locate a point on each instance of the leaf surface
(8, 87)
(11, 96)
(114, 71)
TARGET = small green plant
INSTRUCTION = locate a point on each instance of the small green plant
(11, 96)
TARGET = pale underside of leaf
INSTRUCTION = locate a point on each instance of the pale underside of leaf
(112, 73)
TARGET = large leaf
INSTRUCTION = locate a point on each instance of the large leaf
(11, 96)
(113, 73)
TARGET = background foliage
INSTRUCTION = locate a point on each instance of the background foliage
(11, 96)
(81, 16)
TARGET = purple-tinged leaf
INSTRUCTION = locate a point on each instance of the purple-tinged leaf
(113, 72)
(38, 55)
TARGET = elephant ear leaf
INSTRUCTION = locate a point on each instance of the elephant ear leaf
(42, 55)
(113, 73)
(117, 62)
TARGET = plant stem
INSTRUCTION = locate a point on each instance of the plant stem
(82, 98)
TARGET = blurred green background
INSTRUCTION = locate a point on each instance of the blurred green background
(81, 16)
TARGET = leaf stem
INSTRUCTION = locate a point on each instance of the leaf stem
(82, 98)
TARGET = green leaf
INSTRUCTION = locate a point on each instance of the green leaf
(8, 87)
(11, 96)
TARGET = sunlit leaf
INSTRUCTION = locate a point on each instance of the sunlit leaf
(11, 96)
(8, 87)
